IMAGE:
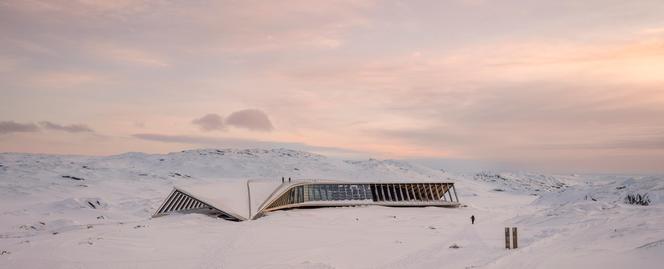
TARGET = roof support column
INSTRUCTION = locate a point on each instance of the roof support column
(389, 195)
(450, 192)
(430, 187)
(396, 193)
(412, 191)
(420, 189)
(406, 187)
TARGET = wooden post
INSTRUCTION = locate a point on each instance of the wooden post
(514, 238)
(507, 237)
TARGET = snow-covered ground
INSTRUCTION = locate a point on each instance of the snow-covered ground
(94, 212)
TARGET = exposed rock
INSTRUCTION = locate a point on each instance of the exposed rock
(73, 177)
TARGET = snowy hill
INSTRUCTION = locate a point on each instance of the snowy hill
(209, 164)
(93, 212)
(74, 189)
(522, 182)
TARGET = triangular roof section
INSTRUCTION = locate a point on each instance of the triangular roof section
(233, 196)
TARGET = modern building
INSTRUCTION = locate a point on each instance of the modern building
(251, 199)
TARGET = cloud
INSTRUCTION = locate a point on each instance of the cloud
(210, 122)
(72, 128)
(65, 80)
(251, 119)
(486, 90)
(7, 127)
(648, 142)
(518, 120)
(124, 54)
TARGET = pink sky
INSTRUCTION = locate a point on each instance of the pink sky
(534, 85)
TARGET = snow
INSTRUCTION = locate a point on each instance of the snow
(230, 195)
(49, 219)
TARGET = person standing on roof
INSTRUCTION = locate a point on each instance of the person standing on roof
(472, 219)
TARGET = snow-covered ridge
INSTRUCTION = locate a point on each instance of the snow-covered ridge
(211, 164)
(523, 182)
(608, 189)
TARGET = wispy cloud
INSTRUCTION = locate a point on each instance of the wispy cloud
(65, 79)
(72, 128)
(7, 127)
(651, 142)
(126, 55)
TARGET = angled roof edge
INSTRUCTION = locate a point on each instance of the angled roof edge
(214, 205)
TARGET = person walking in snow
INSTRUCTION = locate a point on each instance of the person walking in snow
(472, 219)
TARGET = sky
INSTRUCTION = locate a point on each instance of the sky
(559, 86)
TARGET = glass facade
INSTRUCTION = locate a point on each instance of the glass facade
(383, 193)
(329, 192)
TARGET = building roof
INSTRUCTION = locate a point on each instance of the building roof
(249, 199)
